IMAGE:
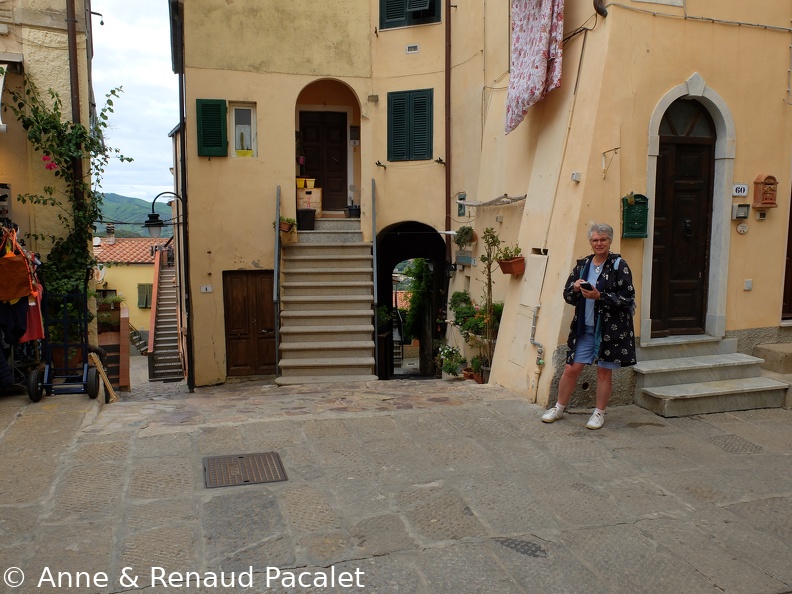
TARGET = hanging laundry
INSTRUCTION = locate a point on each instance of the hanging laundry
(537, 34)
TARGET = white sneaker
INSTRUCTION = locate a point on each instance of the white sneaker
(596, 421)
(552, 415)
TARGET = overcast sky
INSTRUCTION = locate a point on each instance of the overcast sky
(132, 50)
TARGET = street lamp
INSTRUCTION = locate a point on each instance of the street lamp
(153, 223)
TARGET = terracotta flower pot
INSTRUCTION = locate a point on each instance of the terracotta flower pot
(514, 266)
(467, 373)
(285, 227)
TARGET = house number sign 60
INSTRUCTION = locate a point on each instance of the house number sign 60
(740, 190)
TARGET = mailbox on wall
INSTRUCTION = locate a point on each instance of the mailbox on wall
(635, 216)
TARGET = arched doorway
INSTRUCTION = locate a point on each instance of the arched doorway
(717, 261)
(682, 220)
(405, 241)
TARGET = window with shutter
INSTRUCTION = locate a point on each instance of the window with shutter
(212, 127)
(145, 292)
(410, 125)
(405, 13)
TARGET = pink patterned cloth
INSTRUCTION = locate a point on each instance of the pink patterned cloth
(537, 33)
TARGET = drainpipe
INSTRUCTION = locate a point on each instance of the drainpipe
(448, 127)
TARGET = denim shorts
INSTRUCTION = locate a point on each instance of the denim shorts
(584, 350)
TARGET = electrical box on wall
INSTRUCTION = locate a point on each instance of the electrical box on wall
(635, 216)
(740, 211)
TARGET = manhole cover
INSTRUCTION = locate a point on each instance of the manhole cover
(243, 469)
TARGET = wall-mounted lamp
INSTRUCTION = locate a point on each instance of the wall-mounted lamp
(450, 269)
(100, 15)
(153, 223)
(379, 164)
(440, 161)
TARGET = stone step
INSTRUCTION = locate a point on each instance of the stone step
(345, 366)
(328, 261)
(327, 349)
(683, 400)
(686, 370)
(326, 318)
(346, 275)
(360, 248)
(319, 303)
(348, 332)
(327, 287)
(330, 236)
(324, 379)
(675, 347)
(777, 357)
(336, 224)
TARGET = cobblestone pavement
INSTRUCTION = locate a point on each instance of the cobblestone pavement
(400, 486)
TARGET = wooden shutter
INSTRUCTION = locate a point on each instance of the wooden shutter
(421, 125)
(145, 292)
(212, 128)
(397, 126)
(393, 13)
(415, 5)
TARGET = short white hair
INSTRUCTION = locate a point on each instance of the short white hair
(602, 229)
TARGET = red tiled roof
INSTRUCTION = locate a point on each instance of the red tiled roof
(129, 250)
(403, 299)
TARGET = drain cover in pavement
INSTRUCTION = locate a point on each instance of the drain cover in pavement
(243, 469)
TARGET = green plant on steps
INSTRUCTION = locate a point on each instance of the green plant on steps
(452, 359)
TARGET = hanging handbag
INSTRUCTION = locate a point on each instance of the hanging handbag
(15, 277)
(35, 325)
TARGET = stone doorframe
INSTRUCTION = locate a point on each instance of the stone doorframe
(696, 88)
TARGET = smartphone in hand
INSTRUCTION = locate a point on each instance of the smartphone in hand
(586, 285)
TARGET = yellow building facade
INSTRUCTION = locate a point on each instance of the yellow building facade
(653, 96)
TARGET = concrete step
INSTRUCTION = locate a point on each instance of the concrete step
(676, 347)
(327, 349)
(345, 366)
(336, 224)
(322, 260)
(683, 400)
(344, 317)
(324, 379)
(348, 332)
(361, 248)
(685, 370)
(777, 357)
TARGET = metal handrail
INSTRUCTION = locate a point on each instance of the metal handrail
(276, 283)
(374, 267)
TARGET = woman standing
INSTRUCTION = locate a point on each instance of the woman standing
(601, 289)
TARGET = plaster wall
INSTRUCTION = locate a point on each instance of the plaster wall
(125, 280)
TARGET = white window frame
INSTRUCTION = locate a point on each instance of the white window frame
(238, 151)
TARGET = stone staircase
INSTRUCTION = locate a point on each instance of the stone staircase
(327, 298)
(165, 361)
(684, 376)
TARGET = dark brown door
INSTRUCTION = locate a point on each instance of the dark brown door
(249, 322)
(786, 310)
(324, 141)
(683, 207)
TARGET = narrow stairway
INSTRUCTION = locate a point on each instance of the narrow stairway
(165, 362)
(327, 299)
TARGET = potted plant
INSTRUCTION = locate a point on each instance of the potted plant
(511, 260)
(452, 359)
(475, 365)
(465, 236)
(287, 224)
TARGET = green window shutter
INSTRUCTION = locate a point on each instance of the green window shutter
(212, 127)
(145, 292)
(393, 13)
(414, 5)
(397, 126)
(421, 125)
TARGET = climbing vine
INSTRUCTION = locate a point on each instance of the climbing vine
(64, 145)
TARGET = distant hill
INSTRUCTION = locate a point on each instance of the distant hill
(133, 212)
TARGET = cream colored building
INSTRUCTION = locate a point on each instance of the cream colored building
(685, 102)
(34, 41)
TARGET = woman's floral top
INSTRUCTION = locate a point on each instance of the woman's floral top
(614, 334)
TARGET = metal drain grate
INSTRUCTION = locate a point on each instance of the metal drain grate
(243, 469)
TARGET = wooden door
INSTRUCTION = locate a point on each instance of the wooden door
(682, 221)
(249, 322)
(324, 141)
